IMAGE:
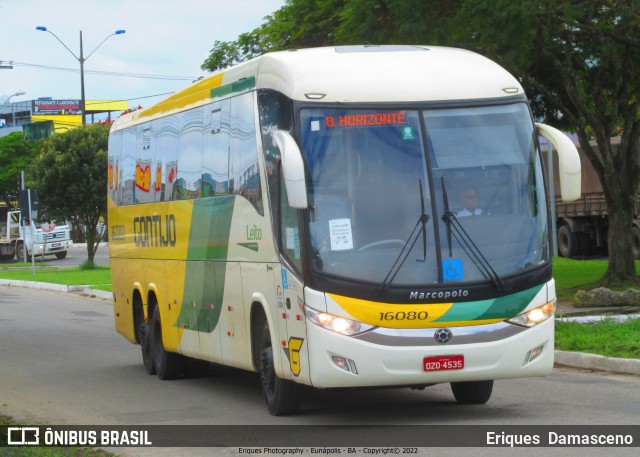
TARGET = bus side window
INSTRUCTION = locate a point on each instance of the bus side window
(127, 184)
(215, 152)
(166, 157)
(189, 182)
(243, 161)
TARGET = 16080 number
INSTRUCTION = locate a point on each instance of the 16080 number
(404, 316)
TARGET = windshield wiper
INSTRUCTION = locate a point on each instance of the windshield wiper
(466, 242)
(420, 227)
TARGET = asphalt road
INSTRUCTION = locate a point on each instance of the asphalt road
(63, 363)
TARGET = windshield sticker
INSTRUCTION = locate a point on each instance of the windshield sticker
(293, 241)
(452, 270)
(407, 133)
(290, 236)
(340, 234)
(315, 126)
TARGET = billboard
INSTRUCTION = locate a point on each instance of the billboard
(59, 107)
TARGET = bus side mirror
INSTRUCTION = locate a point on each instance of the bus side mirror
(568, 162)
(292, 168)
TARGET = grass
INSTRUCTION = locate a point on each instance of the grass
(574, 275)
(606, 337)
(97, 277)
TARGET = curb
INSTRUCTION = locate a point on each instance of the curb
(597, 362)
(569, 359)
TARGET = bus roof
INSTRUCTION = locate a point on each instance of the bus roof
(347, 74)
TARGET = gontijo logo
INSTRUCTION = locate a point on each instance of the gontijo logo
(149, 231)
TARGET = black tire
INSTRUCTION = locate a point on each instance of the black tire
(168, 365)
(144, 336)
(472, 392)
(635, 241)
(20, 254)
(567, 242)
(282, 396)
(61, 255)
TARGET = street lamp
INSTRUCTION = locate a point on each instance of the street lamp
(82, 60)
(6, 102)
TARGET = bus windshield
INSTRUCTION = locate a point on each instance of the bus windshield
(441, 196)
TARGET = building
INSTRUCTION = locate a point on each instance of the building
(65, 114)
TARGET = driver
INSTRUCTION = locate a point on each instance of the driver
(469, 200)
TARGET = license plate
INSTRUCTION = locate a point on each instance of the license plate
(55, 245)
(443, 362)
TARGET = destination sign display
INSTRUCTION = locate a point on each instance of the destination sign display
(370, 119)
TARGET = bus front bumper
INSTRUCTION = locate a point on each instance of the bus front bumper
(341, 361)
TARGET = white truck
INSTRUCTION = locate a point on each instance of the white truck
(39, 239)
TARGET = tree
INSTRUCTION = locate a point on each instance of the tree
(298, 24)
(15, 156)
(579, 62)
(71, 175)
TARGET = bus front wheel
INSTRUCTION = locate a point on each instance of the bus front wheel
(472, 392)
(282, 396)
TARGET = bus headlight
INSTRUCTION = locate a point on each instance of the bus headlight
(336, 324)
(534, 316)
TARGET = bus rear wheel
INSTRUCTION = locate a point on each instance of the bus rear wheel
(472, 392)
(282, 396)
(168, 365)
(144, 336)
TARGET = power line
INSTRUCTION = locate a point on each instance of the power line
(107, 73)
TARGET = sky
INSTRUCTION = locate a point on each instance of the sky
(167, 38)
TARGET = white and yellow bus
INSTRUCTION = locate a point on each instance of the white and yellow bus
(300, 215)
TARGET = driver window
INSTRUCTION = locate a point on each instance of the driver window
(289, 233)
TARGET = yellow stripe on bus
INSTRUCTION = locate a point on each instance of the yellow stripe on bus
(195, 94)
(392, 315)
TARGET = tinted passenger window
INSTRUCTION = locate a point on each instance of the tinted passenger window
(244, 170)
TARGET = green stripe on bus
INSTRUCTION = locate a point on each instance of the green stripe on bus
(511, 305)
(239, 86)
(496, 308)
(206, 264)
